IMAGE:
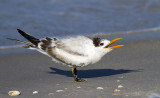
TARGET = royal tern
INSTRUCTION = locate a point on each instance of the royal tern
(72, 51)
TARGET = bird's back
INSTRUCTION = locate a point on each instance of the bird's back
(79, 44)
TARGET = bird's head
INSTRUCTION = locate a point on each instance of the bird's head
(104, 46)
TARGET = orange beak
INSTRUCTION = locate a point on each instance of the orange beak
(111, 42)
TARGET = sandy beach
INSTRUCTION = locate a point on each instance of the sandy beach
(128, 72)
(132, 71)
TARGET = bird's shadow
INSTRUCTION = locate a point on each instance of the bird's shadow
(91, 73)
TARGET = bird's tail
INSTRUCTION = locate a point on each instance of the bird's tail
(33, 41)
(30, 38)
(27, 44)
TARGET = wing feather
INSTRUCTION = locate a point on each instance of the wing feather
(75, 45)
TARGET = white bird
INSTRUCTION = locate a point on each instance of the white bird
(72, 51)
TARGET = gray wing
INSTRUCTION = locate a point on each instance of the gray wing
(79, 45)
(70, 45)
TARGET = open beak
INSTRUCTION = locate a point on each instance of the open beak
(111, 42)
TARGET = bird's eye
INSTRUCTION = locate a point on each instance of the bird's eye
(101, 44)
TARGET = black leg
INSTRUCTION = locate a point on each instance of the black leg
(76, 79)
(74, 72)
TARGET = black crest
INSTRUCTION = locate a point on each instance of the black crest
(96, 41)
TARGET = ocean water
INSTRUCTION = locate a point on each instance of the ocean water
(59, 18)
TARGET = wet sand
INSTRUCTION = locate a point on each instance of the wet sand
(136, 67)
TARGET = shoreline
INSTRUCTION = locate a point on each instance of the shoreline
(144, 34)
(18, 49)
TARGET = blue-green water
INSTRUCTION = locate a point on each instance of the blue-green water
(59, 18)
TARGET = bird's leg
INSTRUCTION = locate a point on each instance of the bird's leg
(76, 79)
(74, 72)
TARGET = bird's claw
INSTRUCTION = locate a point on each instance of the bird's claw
(80, 80)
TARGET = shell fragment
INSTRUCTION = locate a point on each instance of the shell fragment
(117, 90)
(14, 93)
(59, 91)
(35, 92)
(99, 88)
(120, 86)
